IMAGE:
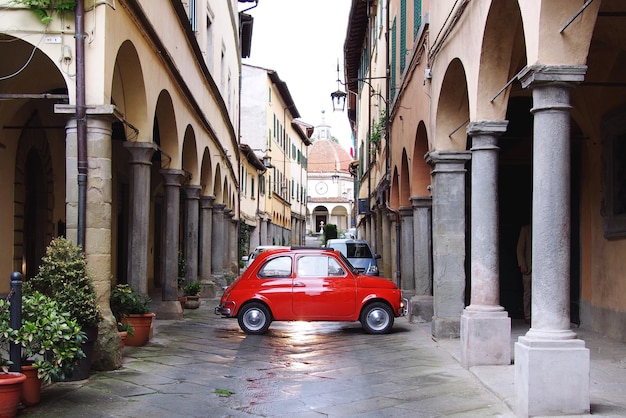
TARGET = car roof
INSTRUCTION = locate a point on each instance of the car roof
(346, 240)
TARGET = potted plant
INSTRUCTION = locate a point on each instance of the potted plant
(125, 329)
(192, 291)
(129, 306)
(10, 382)
(52, 343)
(63, 277)
(182, 270)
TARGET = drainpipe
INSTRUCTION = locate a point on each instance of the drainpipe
(388, 150)
(81, 122)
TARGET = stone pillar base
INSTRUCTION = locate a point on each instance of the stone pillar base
(551, 377)
(446, 327)
(209, 290)
(485, 338)
(168, 309)
(421, 309)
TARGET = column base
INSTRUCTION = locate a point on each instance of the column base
(551, 377)
(421, 309)
(485, 338)
(446, 327)
(169, 309)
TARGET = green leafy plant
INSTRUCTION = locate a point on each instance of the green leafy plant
(7, 334)
(192, 289)
(44, 9)
(50, 338)
(63, 277)
(126, 327)
(125, 301)
(182, 269)
(378, 129)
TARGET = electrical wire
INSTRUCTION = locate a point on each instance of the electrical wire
(30, 58)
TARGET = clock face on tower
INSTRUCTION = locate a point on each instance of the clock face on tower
(321, 187)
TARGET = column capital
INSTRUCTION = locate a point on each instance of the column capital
(487, 127)
(173, 177)
(421, 201)
(192, 191)
(536, 74)
(219, 207)
(406, 211)
(206, 202)
(141, 152)
(448, 161)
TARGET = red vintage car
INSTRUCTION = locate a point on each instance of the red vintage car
(310, 284)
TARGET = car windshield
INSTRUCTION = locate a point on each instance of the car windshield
(347, 263)
(353, 249)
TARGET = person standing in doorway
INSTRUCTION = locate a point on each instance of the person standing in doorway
(524, 261)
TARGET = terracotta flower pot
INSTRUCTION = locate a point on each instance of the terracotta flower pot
(31, 389)
(193, 302)
(182, 300)
(142, 323)
(123, 337)
(10, 393)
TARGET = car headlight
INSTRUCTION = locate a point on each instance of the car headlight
(372, 269)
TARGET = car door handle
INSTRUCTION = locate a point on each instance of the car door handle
(298, 284)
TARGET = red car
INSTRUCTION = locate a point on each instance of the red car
(310, 284)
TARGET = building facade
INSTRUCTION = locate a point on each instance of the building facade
(496, 114)
(270, 126)
(331, 186)
(126, 141)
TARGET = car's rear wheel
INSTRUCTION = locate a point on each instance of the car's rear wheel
(377, 318)
(254, 318)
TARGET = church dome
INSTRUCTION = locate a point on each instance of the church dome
(327, 156)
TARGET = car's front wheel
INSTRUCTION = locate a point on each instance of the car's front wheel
(377, 318)
(254, 318)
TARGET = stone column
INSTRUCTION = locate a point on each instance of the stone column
(551, 363)
(139, 217)
(448, 212)
(170, 308)
(218, 244)
(98, 226)
(206, 234)
(393, 226)
(485, 325)
(407, 274)
(384, 243)
(263, 230)
(192, 206)
(232, 259)
(422, 257)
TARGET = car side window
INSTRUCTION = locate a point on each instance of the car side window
(312, 266)
(276, 267)
(319, 266)
(334, 268)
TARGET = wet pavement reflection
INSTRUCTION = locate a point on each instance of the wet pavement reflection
(205, 366)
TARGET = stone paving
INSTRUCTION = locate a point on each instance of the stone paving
(204, 366)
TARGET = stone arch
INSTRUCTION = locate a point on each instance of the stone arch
(128, 91)
(394, 192)
(165, 131)
(453, 109)
(420, 171)
(503, 54)
(405, 183)
(217, 185)
(33, 199)
(190, 155)
(206, 173)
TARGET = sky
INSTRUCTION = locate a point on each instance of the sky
(302, 40)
